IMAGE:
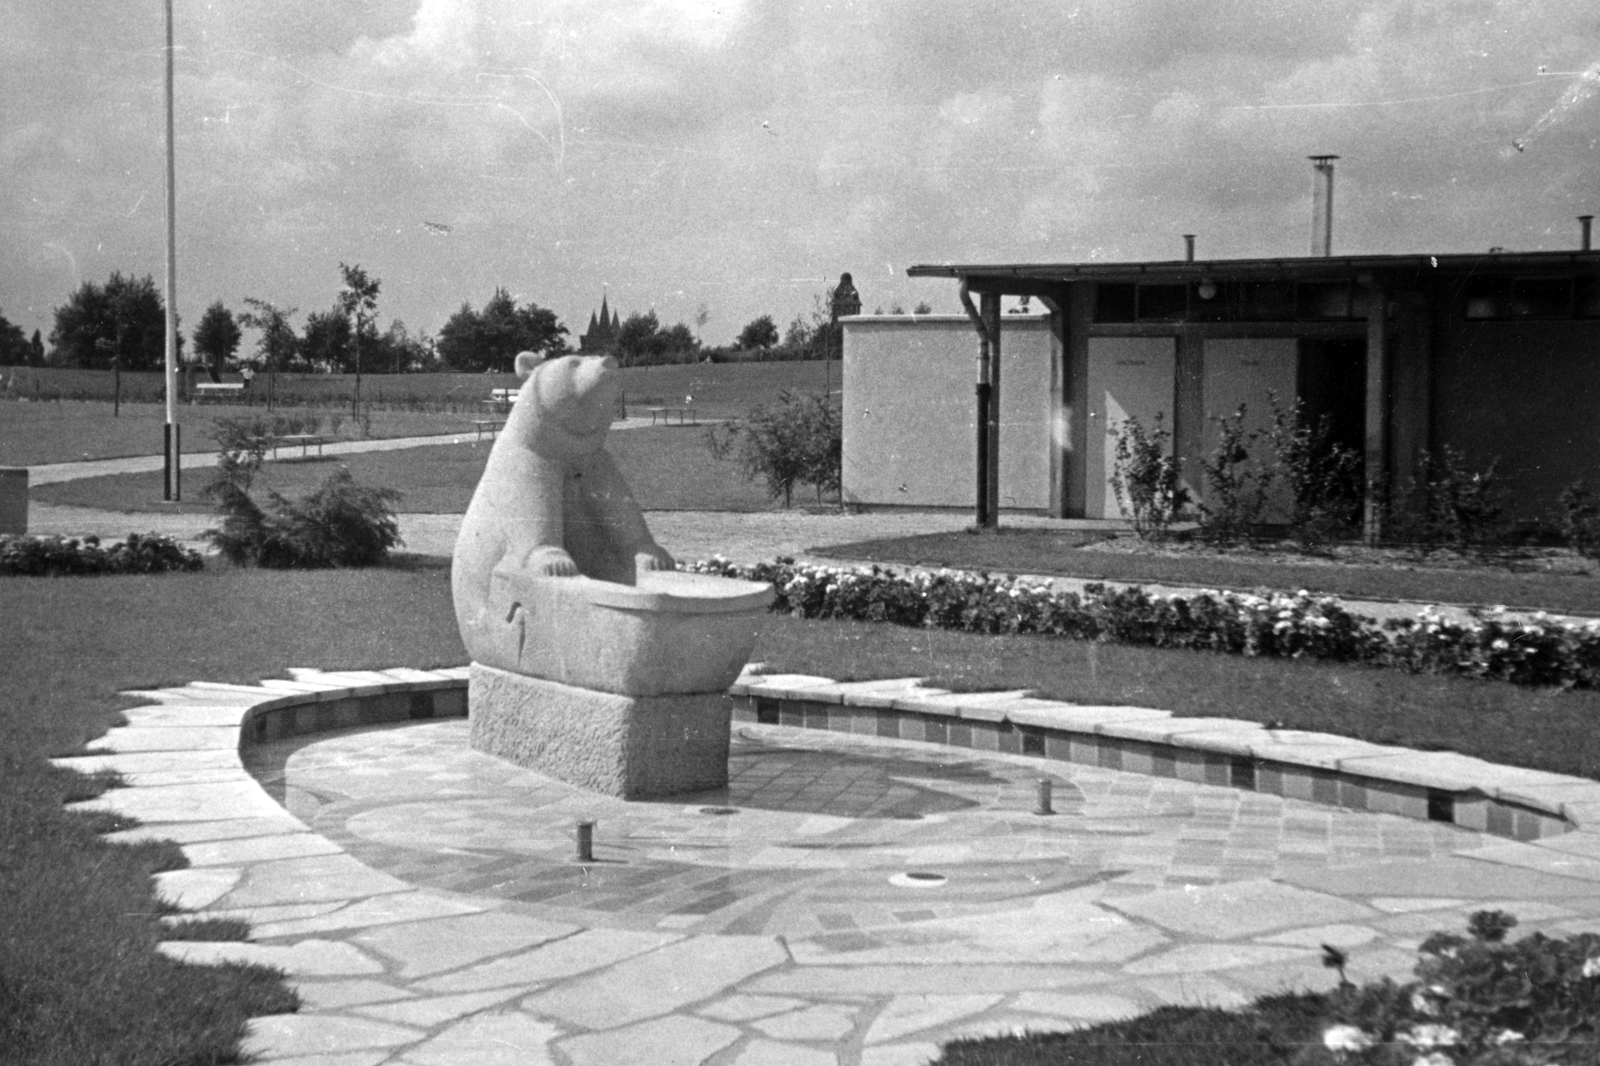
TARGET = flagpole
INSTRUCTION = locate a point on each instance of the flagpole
(170, 437)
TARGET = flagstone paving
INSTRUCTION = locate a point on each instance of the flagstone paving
(845, 900)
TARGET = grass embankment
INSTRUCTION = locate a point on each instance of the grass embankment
(80, 981)
(1060, 553)
(404, 405)
(668, 467)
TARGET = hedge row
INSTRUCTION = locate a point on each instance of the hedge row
(51, 556)
(1525, 650)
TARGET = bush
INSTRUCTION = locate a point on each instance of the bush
(1449, 505)
(1145, 478)
(793, 442)
(1477, 1001)
(1490, 645)
(40, 556)
(1236, 496)
(1580, 520)
(340, 524)
(1323, 476)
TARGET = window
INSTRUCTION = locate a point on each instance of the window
(1114, 302)
(1498, 298)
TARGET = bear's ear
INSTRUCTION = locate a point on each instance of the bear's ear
(526, 363)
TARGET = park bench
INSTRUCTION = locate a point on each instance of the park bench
(488, 425)
(305, 440)
(501, 399)
(686, 415)
(220, 390)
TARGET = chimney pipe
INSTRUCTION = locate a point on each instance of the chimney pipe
(1587, 222)
(1322, 205)
(1188, 247)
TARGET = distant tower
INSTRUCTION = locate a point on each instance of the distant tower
(601, 336)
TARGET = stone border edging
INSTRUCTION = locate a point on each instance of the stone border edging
(1436, 786)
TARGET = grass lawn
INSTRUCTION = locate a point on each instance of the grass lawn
(404, 405)
(1026, 551)
(668, 468)
(80, 982)
(1540, 728)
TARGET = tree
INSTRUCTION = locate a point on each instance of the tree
(122, 323)
(14, 348)
(642, 342)
(359, 298)
(490, 339)
(36, 355)
(760, 333)
(216, 338)
(398, 347)
(277, 346)
(326, 340)
(795, 441)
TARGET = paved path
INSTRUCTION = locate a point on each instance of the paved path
(846, 901)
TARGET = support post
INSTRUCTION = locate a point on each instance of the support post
(985, 514)
(991, 323)
(171, 489)
(1377, 415)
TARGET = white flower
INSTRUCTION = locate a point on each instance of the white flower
(1345, 1038)
(1591, 966)
(1508, 1036)
(1431, 1035)
(1423, 1005)
(1433, 1058)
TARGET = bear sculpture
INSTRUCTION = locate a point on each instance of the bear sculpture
(551, 501)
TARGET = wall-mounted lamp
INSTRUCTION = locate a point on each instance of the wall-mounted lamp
(1207, 289)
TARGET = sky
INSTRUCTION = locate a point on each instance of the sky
(729, 159)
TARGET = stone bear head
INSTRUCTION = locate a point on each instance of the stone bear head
(566, 404)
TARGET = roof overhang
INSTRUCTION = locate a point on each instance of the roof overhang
(1021, 277)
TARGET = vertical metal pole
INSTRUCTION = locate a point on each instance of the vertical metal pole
(1377, 414)
(991, 324)
(173, 489)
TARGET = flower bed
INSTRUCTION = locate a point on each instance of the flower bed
(1534, 650)
(50, 556)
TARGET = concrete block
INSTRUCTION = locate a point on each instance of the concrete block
(450, 702)
(13, 499)
(1395, 797)
(1189, 765)
(1084, 748)
(634, 747)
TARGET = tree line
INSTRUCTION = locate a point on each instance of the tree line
(121, 324)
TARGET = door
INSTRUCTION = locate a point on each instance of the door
(1250, 373)
(1129, 377)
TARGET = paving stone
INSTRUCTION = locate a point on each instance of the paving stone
(814, 1024)
(918, 1054)
(155, 778)
(320, 1034)
(579, 954)
(320, 877)
(1201, 958)
(1082, 1007)
(905, 1015)
(739, 1008)
(675, 1040)
(379, 910)
(915, 980)
(349, 1058)
(134, 762)
(326, 995)
(431, 1011)
(258, 916)
(429, 947)
(194, 889)
(186, 803)
(1532, 857)
(1407, 904)
(773, 1053)
(309, 957)
(1194, 990)
(1239, 908)
(508, 1038)
(658, 982)
(1340, 936)
(222, 829)
(239, 851)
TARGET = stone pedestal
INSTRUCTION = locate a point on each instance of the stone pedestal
(633, 747)
(13, 499)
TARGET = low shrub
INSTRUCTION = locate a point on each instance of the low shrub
(1237, 489)
(1492, 644)
(792, 442)
(1323, 476)
(1580, 521)
(54, 556)
(1449, 505)
(242, 443)
(1146, 477)
(340, 524)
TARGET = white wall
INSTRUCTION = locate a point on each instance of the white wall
(910, 410)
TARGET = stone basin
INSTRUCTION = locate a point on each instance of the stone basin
(671, 633)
